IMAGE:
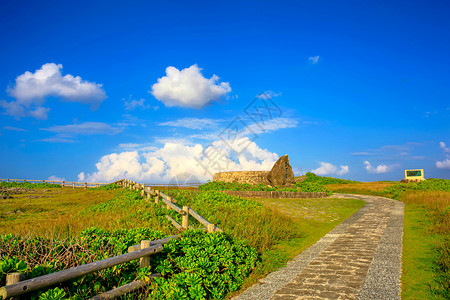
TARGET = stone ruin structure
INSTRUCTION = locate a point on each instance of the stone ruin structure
(281, 174)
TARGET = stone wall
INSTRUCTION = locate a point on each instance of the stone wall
(250, 177)
(280, 175)
(275, 194)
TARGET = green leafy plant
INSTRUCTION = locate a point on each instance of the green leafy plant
(54, 294)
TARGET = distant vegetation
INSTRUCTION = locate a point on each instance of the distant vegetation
(231, 186)
(431, 184)
(28, 185)
(311, 177)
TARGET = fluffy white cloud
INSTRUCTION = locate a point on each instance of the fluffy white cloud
(84, 128)
(328, 168)
(179, 160)
(192, 123)
(188, 88)
(48, 81)
(379, 169)
(445, 164)
(31, 89)
(314, 59)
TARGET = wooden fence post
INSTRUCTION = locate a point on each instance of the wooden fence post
(14, 278)
(211, 228)
(170, 200)
(185, 220)
(157, 197)
(62, 185)
(145, 261)
(73, 184)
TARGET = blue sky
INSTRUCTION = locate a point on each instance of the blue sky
(148, 90)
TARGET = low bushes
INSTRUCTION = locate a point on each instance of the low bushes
(311, 177)
(231, 186)
(197, 266)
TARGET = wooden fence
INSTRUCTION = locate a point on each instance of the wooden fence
(16, 285)
(72, 184)
(185, 212)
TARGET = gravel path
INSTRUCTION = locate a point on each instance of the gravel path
(359, 259)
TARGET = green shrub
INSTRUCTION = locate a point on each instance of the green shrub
(231, 186)
(311, 177)
(198, 265)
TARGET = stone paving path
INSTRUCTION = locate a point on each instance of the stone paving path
(359, 259)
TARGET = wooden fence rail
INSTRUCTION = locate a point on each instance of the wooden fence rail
(40, 282)
(62, 183)
(185, 212)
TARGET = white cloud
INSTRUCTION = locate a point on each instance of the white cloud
(188, 88)
(56, 178)
(132, 104)
(361, 153)
(328, 168)
(13, 128)
(379, 169)
(445, 164)
(56, 140)
(31, 89)
(48, 81)
(314, 59)
(175, 160)
(444, 147)
(272, 125)
(128, 145)
(192, 123)
(85, 128)
(268, 95)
